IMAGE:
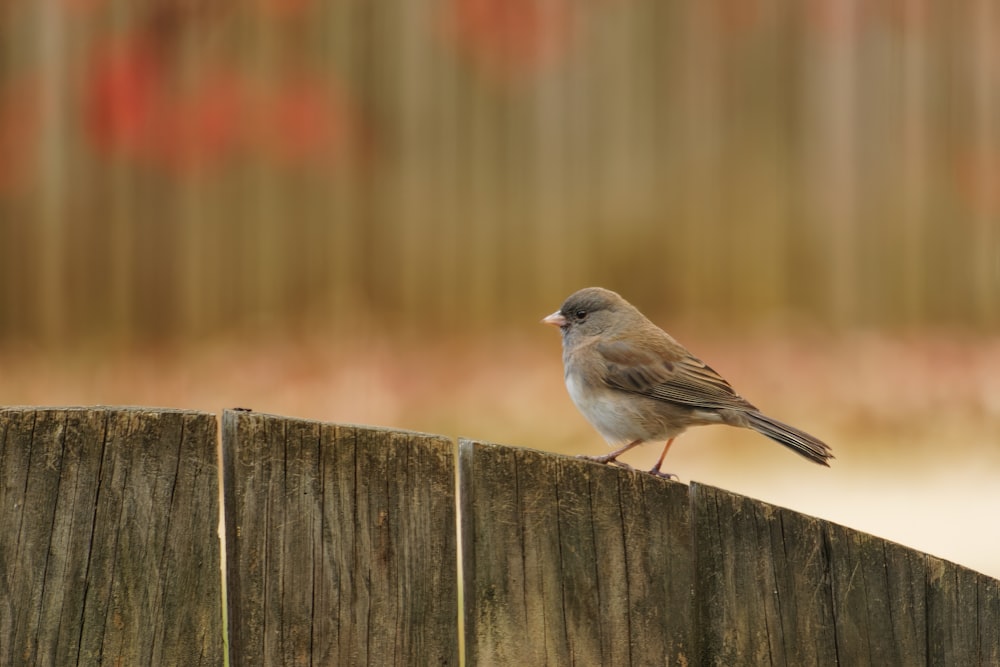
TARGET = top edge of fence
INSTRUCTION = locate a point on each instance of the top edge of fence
(233, 413)
(144, 409)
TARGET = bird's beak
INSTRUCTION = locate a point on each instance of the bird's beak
(556, 319)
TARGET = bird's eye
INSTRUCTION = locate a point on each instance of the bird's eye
(580, 314)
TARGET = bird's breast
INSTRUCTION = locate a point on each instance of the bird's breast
(609, 411)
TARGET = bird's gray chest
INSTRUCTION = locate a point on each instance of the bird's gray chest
(603, 407)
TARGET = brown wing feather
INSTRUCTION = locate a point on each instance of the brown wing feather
(668, 375)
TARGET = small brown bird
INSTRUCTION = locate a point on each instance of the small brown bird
(634, 383)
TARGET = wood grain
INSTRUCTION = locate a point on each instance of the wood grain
(341, 544)
(569, 562)
(109, 547)
(762, 596)
(961, 615)
(879, 599)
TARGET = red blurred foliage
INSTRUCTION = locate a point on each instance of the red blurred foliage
(201, 126)
(510, 39)
(122, 93)
(136, 109)
(305, 121)
(19, 131)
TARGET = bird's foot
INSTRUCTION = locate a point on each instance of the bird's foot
(655, 472)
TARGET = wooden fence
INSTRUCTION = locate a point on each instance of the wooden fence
(342, 549)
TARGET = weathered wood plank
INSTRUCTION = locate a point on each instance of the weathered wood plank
(660, 558)
(108, 537)
(955, 627)
(762, 594)
(879, 599)
(988, 620)
(734, 592)
(567, 562)
(805, 602)
(341, 544)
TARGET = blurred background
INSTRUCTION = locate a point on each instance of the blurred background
(358, 211)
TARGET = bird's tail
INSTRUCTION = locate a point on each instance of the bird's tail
(791, 437)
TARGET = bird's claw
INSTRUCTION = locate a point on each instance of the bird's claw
(664, 475)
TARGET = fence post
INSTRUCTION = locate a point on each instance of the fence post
(109, 549)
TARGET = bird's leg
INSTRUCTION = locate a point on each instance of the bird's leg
(610, 458)
(656, 469)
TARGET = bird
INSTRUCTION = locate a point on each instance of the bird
(636, 384)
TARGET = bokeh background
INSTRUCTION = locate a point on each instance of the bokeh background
(359, 211)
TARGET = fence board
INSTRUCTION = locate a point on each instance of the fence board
(762, 595)
(988, 617)
(567, 562)
(953, 601)
(880, 608)
(108, 537)
(341, 544)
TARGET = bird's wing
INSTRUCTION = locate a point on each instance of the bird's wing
(667, 374)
